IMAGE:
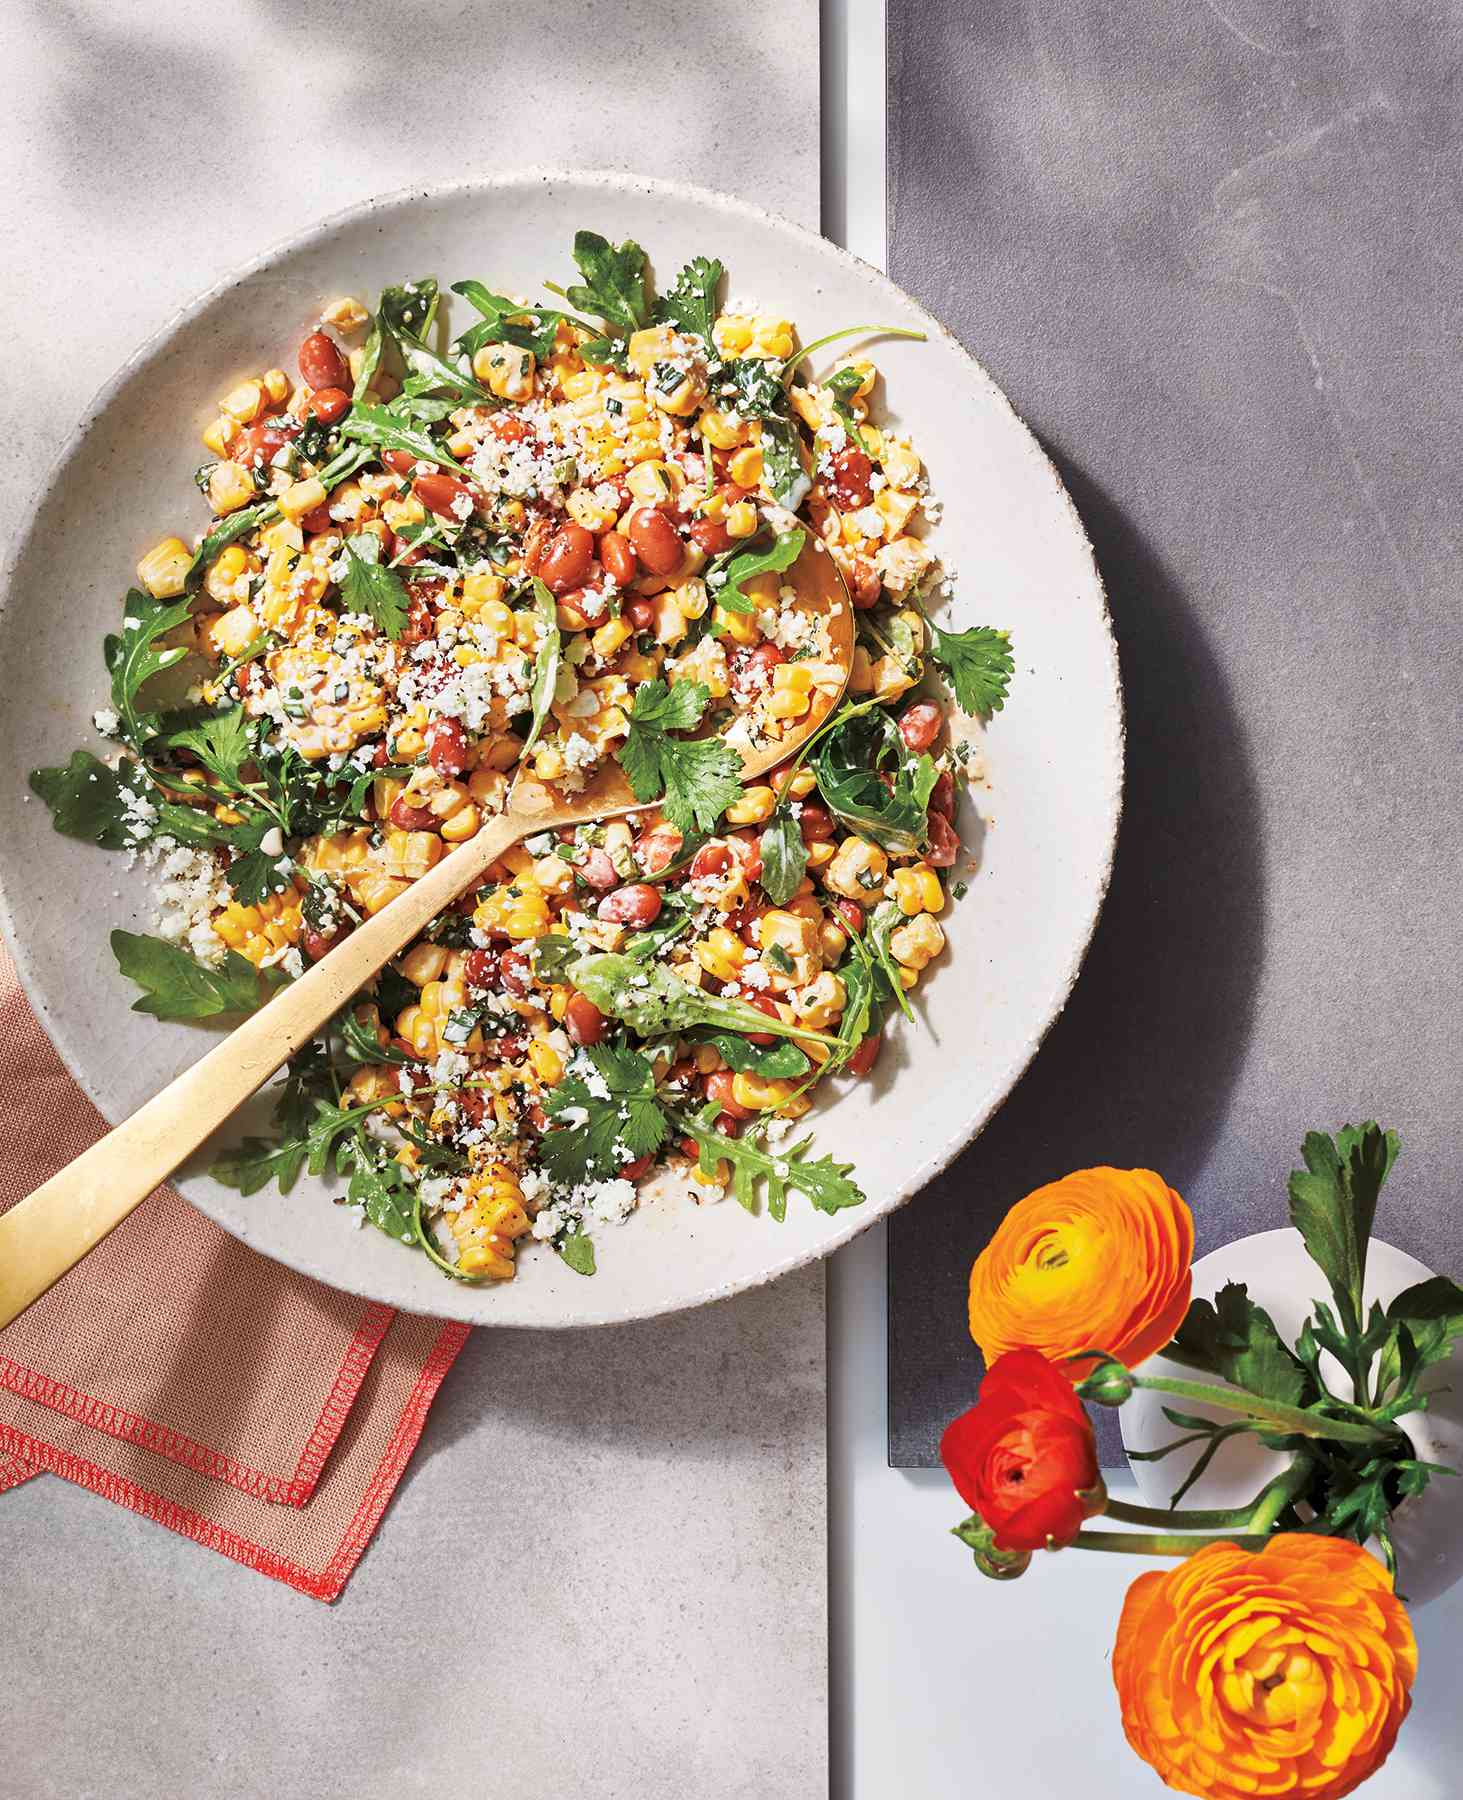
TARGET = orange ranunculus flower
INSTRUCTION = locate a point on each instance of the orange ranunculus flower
(1283, 1671)
(1096, 1261)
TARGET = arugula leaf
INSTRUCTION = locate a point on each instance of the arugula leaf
(88, 800)
(698, 778)
(545, 663)
(784, 856)
(613, 288)
(235, 526)
(868, 991)
(1237, 1340)
(176, 986)
(256, 1162)
(611, 1132)
(135, 657)
(843, 384)
(824, 1182)
(1333, 1201)
(577, 1249)
(381, 429)
(783, 552)
(373, 587)
(655, 1003)
(380, 1190)
(850, 761)
(779, 1062)
(978, 663)
(689, 304)
(507, 321)
(759, 394)
(552, 955)
(359, 1041)
(882, 924)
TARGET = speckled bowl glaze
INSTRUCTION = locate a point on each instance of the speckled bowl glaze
(1053, 758)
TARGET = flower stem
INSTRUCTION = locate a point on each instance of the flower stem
(1236, 1516)
(1154, 1543)
(1269, 1412)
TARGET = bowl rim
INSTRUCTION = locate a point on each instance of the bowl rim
(856, 1220)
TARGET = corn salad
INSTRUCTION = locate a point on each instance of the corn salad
(559, 539)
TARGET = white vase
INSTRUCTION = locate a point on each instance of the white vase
(1280, 1276)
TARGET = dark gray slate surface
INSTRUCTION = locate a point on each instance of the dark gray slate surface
(1212, 252)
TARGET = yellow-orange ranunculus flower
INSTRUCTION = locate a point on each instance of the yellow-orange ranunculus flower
(1285, 1671)
(1096, 1261)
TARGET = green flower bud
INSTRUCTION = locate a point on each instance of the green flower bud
(1000, 1565)
(1109, 1384)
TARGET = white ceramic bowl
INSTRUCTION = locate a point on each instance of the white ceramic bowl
(1054, 755)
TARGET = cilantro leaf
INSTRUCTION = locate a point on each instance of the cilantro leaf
(221, 743)
(89, 800)
(254, 874)
(690, 302)
(1237, 1340)
(136, 656)
(784, 856)
(781, 554)
(371, 587)
(695, 779)
(654, 1002)
(545, 663)
(256, 1162)
(613, 288)
(1333, 1201)
(978, 663)
(177, 986)
(824, 1182)
(381, 429)
(600, 1135)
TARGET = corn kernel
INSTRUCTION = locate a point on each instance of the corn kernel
(301, 497)
(741, 519)
(164, 570)
(546, 1062)
(758, 1095)
(277, 385)
(741, 628)
(585, 508)
(245, 402)
(857, 871)
(548, 763)
(721, 954)
(722, 430)
(917, 943)
(655, 482)
(611, 636)
(918, 890)
(220, 434)
(755, 807)
(346, 314)
(786, 703)
(463, 824)
(745, 468)
(229, 487)
(506, 370)
(423, 963)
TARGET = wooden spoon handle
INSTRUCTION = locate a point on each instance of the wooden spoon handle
(50, 1230)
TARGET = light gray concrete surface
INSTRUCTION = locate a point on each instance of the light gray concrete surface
(604, 1574)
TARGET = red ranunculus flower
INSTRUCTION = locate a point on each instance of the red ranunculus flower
(1024, 1456)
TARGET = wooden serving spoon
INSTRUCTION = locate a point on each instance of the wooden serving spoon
(52, 1229)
